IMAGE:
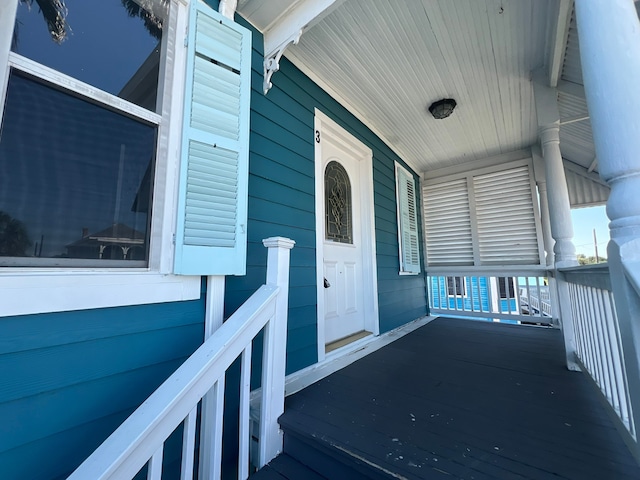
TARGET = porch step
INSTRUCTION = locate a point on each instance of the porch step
(285, 467)
(328, 453)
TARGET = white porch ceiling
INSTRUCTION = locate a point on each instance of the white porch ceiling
(387, 61)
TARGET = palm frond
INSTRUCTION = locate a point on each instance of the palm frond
(54, 13)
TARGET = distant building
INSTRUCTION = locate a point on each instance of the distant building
(117, 242)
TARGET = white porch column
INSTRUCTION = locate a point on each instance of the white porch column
(213, 402)
(557, 192)
(559, 209)
(558, 197)
(541, 182)
(609, 33)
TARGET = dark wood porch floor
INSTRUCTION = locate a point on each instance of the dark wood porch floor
(464, 399)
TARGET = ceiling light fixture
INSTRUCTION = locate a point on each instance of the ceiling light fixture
(442, 108)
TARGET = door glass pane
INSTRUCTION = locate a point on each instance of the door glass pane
(113, 45)
(75, 180)
(337, 204)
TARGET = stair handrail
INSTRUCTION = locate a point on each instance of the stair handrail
(140, 438)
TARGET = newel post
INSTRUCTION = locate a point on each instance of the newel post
(609, 35)
(275, 351)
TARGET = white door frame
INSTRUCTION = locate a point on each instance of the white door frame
(324, 128)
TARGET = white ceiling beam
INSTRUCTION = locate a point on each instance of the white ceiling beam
(558, 40)
(593, 165)
(574, 119)
(288, 28)
(580, 170)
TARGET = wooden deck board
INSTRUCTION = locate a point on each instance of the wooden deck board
(473, 399)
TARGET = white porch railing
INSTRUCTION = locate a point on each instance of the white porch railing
(521, 297)
(140, 439)
(596, 337)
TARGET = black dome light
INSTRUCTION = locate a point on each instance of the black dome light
(442, 108)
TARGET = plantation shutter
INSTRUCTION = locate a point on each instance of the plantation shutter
(408, 222)
(506, 218)
(483, 219)
(448, 223)
(212, 204)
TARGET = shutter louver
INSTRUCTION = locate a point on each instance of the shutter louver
(409, 240)
(448, 224)
(212, 203)
(506, 220)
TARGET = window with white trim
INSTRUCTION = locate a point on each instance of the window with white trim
(79, 132)
(91, 105)
(506, 287)
(485, 217)
(408, 238)
(457, 286)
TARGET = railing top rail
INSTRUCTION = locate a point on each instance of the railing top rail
(127, 450)
(596, 276)
(506, 271)
(632, 272)
(599, 267)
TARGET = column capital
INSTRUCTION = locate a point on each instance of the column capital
(549, 134)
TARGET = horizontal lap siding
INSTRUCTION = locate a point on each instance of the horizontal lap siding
(282, 203)
(70, 378)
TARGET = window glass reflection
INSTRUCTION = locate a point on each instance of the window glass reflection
(113, 45)
(75, 179)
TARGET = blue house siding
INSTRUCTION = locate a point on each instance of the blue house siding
(477, 296)
(69, 379)
(282, 202)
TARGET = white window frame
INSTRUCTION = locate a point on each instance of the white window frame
(32, 290)
(509, 284)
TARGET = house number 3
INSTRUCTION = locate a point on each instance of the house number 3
(317, 136)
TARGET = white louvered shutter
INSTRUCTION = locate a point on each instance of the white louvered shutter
(408, 222)
(448, 234)
(505, 214)
(212, 204)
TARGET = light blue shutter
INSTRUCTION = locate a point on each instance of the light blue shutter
(211, 234)
(408, 222)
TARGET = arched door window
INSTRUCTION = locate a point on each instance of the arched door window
(337, 204)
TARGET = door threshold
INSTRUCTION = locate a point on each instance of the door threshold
(330, 347)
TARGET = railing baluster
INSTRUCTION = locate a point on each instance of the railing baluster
(211, 432)
(577, 327)
(592, 340)
(154, 471)
(245, 435)
(604, 351)
(188, 445)
(623, 388)
(605, 345)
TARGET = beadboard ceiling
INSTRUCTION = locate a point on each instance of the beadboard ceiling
(387, 61)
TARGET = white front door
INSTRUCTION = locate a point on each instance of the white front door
(344, 312)
(345, 235)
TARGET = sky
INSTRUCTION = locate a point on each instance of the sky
(584, 221)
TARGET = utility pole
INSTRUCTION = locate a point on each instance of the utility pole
(595, 244)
